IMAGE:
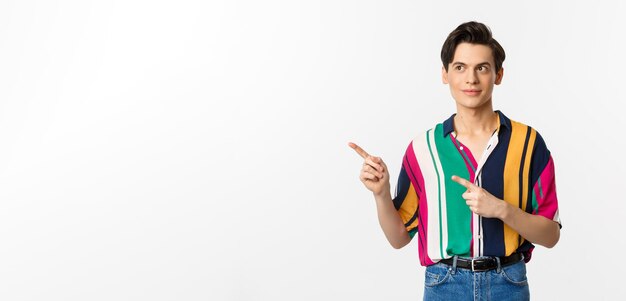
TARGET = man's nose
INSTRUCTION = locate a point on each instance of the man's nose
(471, 79)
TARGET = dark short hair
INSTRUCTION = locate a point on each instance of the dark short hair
(473, 33)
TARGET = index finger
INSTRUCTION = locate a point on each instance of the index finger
(359, 150)
(467, 184)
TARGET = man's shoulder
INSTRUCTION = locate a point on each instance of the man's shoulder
(423, 134)
(518, 125)
(527, 134)
(521, 127)
(420, 141)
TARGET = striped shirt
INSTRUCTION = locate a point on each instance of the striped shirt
(515, 167)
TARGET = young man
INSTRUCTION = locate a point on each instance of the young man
(478, 189)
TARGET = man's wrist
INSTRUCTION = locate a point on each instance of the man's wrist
(505, 210)
(383, 195)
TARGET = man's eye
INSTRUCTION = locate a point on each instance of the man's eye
(459, 68)
(482, 68)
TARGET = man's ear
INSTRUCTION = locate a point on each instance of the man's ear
(444, 75)
(499, 76)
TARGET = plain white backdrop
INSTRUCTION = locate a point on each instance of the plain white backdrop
(197, 150)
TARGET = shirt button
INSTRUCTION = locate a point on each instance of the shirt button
(461, 148)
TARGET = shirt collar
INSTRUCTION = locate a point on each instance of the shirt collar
(448, 125)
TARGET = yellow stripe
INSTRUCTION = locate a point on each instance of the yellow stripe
(408, 208)
(526, 174)
(511, 179)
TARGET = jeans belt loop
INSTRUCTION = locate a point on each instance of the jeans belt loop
(454, 260)
(499, 264)
(473, 258)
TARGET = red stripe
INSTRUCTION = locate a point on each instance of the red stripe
(547, 205)
(416, 177)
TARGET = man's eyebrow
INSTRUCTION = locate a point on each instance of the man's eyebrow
(479, 64)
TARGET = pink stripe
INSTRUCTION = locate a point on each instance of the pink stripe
(548, 204)
(417, 179)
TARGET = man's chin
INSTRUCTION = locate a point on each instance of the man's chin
(473, 104)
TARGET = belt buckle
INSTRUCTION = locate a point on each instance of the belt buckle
(473, 258)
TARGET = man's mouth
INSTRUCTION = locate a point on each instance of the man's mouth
(471, 92)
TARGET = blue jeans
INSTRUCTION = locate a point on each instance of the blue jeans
(445, 282)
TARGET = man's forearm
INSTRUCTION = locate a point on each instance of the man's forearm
(390, 221)
(534, 228)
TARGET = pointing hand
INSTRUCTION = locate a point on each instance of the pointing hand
(479, 200)
(374, 173)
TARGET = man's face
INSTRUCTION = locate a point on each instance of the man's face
(471, 75)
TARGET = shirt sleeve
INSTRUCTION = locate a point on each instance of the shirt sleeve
(544, 197)
(406, 202)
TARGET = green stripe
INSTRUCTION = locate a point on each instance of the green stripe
(534, 201)
(469, 162)
(438, 192)
(459, 217)
(534, 198)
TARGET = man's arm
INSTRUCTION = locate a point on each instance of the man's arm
(390, 221)
(534, 228)
(375, 177)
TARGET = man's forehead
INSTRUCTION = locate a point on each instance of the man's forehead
(467, 53)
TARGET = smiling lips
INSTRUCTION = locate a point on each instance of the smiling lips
(471, 92)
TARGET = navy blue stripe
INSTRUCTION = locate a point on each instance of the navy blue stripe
(402, 188)
(525, 247)
(539, 159)
(521, 176)
(493, 181)
(521, 168)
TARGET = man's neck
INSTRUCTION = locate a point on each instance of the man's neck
(475, 121)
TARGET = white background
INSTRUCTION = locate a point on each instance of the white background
(196, 150)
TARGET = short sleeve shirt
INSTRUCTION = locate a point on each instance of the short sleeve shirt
(516, 167)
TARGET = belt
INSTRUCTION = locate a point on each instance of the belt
(483, 263)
